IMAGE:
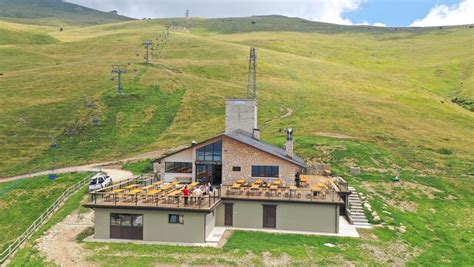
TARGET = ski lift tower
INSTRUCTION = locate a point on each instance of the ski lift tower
(252, 75)
(119, 70)
(147, 44)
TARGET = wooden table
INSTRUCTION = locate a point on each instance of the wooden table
(277, 182)
(128, 187)
(192, 185)
(157, 183)
(118, 190)
(147, 187)
(258, 181)
(240, 181)
(316, 190)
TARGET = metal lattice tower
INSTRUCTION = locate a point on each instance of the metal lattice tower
(147, 44)
(252, 75)
(119, 70)
(186, 26)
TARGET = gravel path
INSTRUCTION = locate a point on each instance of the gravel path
(115, 172)
(59, 244)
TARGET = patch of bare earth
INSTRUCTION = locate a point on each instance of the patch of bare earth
(394, 254)
(59, 244)
(269, 260)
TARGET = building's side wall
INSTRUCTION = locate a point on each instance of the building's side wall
(235, 153)
(156, 226)
(183, 156)
(210, 222)
(308, 217)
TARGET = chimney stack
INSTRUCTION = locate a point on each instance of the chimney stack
(241, 114)
(289, 143)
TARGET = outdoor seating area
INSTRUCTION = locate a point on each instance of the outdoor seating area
(309, 190)
(158, 194)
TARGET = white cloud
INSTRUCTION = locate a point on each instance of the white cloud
(442, 15)
(379, 24)
(331, 11)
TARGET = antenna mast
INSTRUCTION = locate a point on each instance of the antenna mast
(186, 26)
(252, 75)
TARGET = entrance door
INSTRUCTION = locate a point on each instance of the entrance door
(126, 226)
(209, 173)
(269, 216)
(229, 214)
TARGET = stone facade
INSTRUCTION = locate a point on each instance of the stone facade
(244, 156)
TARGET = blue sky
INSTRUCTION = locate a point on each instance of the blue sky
(395, 13)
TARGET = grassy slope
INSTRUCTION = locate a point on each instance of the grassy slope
(388, 92)
(53, 13)
(22, 201)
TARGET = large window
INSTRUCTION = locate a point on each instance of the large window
(265, 171)
(212, 152)
(179, 167)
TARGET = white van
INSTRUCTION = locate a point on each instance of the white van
(99, 181)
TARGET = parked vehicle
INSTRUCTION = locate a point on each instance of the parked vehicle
(99, 181)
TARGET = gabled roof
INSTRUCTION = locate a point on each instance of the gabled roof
(246, 138)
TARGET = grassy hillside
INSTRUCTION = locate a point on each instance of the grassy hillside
(23, 201)
(53, 12)
(378, 98)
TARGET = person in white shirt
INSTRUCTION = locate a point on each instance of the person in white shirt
(198, 194)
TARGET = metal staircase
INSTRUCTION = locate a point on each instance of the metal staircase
(359, 220)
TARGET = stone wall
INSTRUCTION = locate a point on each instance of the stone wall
(236, 154)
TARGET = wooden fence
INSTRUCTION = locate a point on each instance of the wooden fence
(41, 220)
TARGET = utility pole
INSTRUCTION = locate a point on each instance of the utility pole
(252, 75)
(119, 70)
(147, 44)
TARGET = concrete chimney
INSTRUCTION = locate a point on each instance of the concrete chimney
(241, 114)
(289, 143)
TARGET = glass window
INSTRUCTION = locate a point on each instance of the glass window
(179, 167)
(211, 152)
(175, 218)
(138, 220)
(115, 219)
(126, 219)
(265, 171)
(236, 168)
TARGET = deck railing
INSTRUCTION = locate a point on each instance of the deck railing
(159, 200)
(42, 219)
(300, 194)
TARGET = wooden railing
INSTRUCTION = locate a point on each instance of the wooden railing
(300, 194)
(42, 219)
(160, 200)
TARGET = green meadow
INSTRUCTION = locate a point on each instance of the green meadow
(392, 101)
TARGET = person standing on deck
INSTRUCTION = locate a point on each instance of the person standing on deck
(297, 179)
(186, 194)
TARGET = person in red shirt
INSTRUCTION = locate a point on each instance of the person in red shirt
(186, 194)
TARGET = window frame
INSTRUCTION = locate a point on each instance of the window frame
(177, 166)
(210, 152)
(267, 171)
(236, 169)
(179, 219)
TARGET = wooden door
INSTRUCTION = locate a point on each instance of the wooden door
(229, 214)
(269, 216)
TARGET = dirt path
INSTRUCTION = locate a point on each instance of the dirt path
(59, 244)
(289, 112)
(114, 172)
